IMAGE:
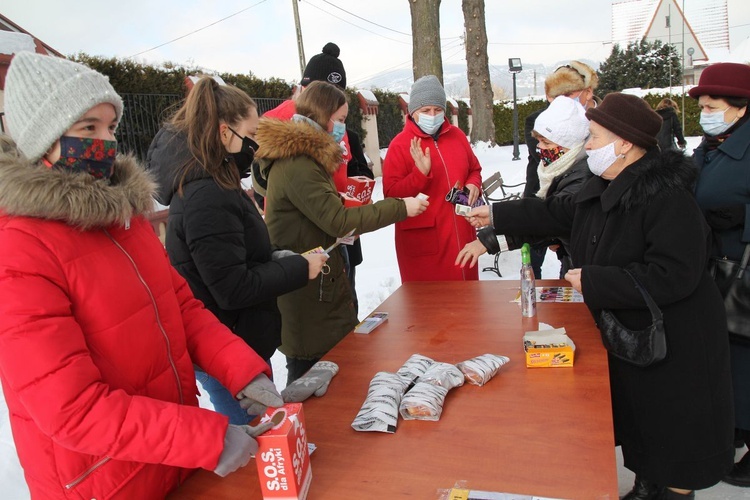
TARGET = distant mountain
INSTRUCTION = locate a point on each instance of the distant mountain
(530, 81)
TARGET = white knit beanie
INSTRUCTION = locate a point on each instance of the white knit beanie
(426, 91)
(46, 95)
(563, 123)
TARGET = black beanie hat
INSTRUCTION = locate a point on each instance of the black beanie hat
(629, 117)
(326, 67)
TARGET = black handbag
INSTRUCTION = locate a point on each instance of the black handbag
(734, 284)
(638, 347)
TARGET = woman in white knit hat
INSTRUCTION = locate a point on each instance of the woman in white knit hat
(98, 333)
(562, 130)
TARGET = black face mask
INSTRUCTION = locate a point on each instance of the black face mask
(244, 157)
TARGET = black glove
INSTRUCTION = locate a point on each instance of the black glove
(489, 240)
(723, 218)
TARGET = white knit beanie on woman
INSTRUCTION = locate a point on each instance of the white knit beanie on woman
(46, 95)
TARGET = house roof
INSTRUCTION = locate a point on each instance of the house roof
(707, 20)
(14, 38)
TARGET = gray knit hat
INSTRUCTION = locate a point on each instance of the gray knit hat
(46, 95)
(426, 91)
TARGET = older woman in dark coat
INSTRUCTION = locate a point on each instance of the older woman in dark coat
(723, 191)
(674, 418)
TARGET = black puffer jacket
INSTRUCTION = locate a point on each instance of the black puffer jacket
(219, 243)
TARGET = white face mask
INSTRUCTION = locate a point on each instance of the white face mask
(713, 123)
(429, 123)
(602, 158)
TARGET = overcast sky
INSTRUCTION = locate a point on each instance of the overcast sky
(261, 36)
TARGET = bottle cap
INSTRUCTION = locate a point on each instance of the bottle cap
(525, 254)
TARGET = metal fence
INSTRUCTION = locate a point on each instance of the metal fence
(141, 119)
(144, 115)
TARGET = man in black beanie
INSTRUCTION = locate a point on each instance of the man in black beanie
(326, 67)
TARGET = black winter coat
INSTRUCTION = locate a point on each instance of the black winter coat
(218, 241)
(671, 129)
(674, 419)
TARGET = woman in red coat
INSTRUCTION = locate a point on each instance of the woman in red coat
(431, 156)
(98, 333)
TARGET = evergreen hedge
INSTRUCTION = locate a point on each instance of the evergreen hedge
(503, 118)
(390, 119)
(463, 117)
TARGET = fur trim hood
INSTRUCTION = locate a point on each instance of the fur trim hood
(278, 139)
(656, 174)
(32, 190)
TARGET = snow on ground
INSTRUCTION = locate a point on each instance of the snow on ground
(377, 278)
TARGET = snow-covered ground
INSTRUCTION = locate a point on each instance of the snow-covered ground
(377, 278)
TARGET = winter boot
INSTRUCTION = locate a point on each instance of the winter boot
(667, 494)
(740, 473)
(643, 489)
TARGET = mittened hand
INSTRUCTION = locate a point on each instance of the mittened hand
(315, 381)
(727, 217)
(258, 395)
(239, 447)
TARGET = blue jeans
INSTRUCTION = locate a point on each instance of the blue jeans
(224, 402)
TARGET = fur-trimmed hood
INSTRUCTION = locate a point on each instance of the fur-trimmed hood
(33, 190)
(279, 139)
(655, 174)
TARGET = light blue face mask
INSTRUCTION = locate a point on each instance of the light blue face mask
(339, 129)
(713, 123)
(429, 123)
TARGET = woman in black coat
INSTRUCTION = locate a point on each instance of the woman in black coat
(673, 419)
(671, 128)
(216, 238)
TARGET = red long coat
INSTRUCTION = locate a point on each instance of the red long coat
(98, 336)
(427, 245)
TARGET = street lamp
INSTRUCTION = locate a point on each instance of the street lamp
(514, 66)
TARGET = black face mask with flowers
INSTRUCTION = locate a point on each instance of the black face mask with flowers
(548, 156)
(93, 156)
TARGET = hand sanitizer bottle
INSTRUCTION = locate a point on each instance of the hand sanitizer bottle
(528, 284)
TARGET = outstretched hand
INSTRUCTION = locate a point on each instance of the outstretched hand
(470, 254)
(480, 216)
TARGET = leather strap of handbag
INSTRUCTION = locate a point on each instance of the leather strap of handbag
(743, 262)
(655, 311)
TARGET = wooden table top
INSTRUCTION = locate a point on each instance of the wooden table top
(543, 431)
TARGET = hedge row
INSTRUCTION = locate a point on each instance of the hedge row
(503, 116)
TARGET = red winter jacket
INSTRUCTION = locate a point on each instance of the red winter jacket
(427, 245)
(98, 336)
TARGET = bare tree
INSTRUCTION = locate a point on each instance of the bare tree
(425, 34)
(478, 72)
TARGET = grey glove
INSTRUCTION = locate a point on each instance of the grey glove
(239, 447)
(315, 381)
(280, 254)
(258, 395)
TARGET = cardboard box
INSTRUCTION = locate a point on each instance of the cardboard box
(283, 459)
(549, 349)
(360, 187)
(371, 322)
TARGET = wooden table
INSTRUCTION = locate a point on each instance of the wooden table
(543, 431)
